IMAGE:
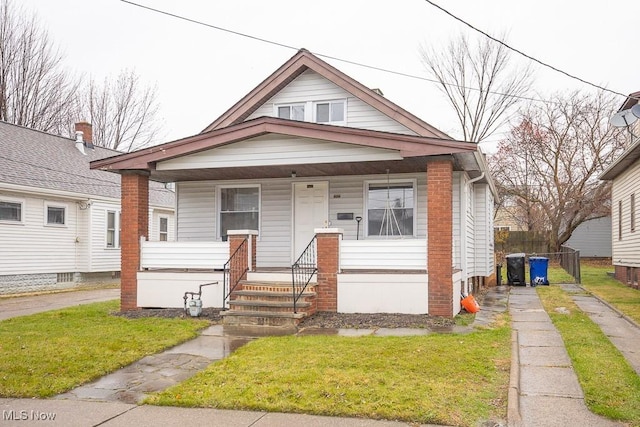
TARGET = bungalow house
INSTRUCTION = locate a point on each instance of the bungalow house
(313, 192)
(624, 174)
(59, 220)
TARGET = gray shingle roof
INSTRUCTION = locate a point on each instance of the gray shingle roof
(44, 161)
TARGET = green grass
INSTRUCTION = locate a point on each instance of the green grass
(49, 353)
(623, 297)
(610, 385)
(444, 379)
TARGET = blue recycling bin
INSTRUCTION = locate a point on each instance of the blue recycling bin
(538, 267)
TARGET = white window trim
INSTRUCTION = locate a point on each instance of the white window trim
(116, 237)
(219, 206)
(48, 205)
(365, 209)
(160, 218)
(293, 104)
(22, 210)
(331, 101)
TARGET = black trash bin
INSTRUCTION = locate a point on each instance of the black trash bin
(515, 269)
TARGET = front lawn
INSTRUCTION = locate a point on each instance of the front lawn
(610, 385)
(50, 353)
(442, 378)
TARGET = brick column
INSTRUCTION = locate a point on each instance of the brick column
(134, 225)
(328, 245)
(238, 270)
(440, 236)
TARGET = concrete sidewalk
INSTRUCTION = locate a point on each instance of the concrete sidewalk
(544, 387)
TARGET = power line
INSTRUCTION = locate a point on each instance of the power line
(524, 54)
(322, 55)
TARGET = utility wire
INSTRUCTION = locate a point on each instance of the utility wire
(525, 55)
(347, 61)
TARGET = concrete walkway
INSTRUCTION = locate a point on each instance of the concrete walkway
(544, 387)
(31, 304)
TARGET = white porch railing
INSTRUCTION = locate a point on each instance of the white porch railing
(183, 255)
(401, 254)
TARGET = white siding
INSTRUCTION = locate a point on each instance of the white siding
(270, 150)
(626, 251)
(310, 86)
(469, 230)
(483, 207)
(102, 258)
(457, 221)
(196, 211)
(403, 254)
(184, 255)
(154, 224)
(33, 246)
(593, 238)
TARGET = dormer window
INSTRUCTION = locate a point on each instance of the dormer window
(291, 112)
(330, 112)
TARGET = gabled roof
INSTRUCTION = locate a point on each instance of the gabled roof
(408, 145)
(39, 161)
(299, 63)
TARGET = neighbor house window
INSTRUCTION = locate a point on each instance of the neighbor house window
(390, 208)
(56, 215)
(633, 212)
(113, 229)
(239, 209)
(164, 228)
(619, 219)
(11, 211)
(330, 112)
(291, 112)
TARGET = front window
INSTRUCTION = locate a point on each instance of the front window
(56, 215)
(330, 112)
(10, 211)
(164, 228)
(239, 209)
(113, 229)
(291, 112)
(390, 209)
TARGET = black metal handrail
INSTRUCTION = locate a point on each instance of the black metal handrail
(237, 264)
(302, 271)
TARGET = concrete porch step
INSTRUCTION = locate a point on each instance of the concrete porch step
(260, 318)
(268, 304)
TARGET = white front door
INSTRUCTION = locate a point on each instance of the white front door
(310, 210)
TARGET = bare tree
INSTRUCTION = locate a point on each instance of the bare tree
(479, 83)
(123, 112)
(34, 88)
(549, 164)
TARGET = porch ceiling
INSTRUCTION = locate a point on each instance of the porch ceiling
(414, 164)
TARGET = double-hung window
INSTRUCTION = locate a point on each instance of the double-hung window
(113, 229)
(11, 211)
(239, 209)
(390, 208)
(56, 214)
(164, 229)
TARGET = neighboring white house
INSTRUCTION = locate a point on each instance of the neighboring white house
(314, 169)
(592, 238)
(59, 220)
(624, 173)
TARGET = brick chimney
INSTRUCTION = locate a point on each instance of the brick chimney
(87, 133)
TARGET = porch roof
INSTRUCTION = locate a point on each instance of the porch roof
(413, 151)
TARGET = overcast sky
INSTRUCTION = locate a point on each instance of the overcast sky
(200, 72)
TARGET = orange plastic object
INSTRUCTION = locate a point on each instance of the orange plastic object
(470, 304)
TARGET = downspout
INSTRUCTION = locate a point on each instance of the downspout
(476, 179)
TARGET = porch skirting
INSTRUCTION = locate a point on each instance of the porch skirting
(383, 293)
(166, 288)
